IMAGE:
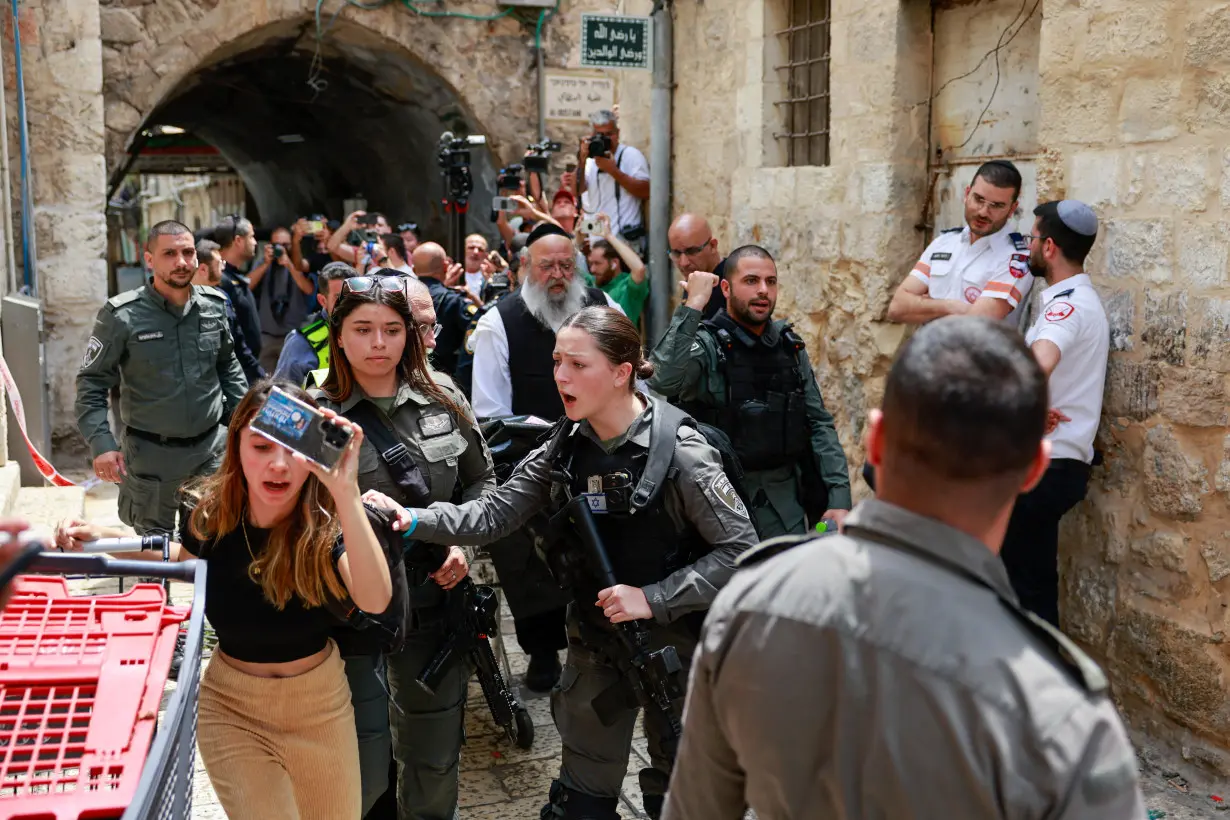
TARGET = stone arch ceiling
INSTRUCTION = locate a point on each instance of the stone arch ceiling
(235, 73)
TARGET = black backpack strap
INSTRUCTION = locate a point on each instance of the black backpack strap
(377, 427)
(663, 433)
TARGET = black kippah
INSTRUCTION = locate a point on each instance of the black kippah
(545, 229)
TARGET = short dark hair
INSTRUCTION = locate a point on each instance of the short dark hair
(394, 242)
(167, 227)
(1002, 174)
(1074, 246)
(607, 250)
(334, 271)
(203, 250)
(229, 228)
(739, 254)
(965, 401)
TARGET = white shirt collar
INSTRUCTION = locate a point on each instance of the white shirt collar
(1067, 284)
(966, 234)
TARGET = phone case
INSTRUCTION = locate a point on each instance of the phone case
(301, 428)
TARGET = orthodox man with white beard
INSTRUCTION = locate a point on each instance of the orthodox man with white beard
(514, 375)
(514, 344)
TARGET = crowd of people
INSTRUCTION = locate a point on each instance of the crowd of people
(911, 661)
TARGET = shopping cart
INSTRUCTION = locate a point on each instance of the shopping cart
(81, 682)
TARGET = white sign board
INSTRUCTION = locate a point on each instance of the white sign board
(574, 96)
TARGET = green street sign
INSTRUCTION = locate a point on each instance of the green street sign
(609, 41)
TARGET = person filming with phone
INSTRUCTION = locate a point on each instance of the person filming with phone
(281, 287)
(614, 179)
(289, 544)
(422, 444)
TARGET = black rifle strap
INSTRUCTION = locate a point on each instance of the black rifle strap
(663, 435)
(379, 429)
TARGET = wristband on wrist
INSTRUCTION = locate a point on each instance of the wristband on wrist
(414, 521)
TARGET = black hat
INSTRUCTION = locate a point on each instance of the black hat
(545, 229)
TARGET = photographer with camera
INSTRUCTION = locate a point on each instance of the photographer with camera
(615, 180)
(281, 287)
(355, 240)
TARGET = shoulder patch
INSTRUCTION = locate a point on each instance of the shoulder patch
(1021, 243)
(1058, 311)
(93, 349)
(953, 230)
(125, 298)
(468, 344)
(471, 309)
(721, 489)
(768, 549)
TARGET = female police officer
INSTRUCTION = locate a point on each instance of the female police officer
(421, 442)
(670, 551)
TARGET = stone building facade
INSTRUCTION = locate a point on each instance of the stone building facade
(1122, 103)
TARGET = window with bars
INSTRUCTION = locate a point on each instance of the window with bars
(803, 79)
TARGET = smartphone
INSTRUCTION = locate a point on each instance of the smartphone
(589, 224)
(503, 203)
(301, 428)
(367, 219)
(315, 225)
(570, 167)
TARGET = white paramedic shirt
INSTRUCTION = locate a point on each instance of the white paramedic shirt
(1070, 315)
(996, 266)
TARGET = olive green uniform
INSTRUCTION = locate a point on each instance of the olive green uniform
(179, 383)
(427, 730)
(890, 672)
(686, 363)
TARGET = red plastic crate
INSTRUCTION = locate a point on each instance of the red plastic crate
(81, 679)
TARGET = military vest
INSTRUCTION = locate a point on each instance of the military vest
(764, 410)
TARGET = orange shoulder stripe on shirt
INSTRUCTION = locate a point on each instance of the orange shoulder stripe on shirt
(923, 268)
(1004, 287)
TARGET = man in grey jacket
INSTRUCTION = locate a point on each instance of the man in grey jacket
(890, 671)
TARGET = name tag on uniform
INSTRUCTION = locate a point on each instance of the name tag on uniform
(941, 256)
(149, 335)
(436, 425)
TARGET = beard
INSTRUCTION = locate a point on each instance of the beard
(177, 283)
(1037, 265)
(553, 310)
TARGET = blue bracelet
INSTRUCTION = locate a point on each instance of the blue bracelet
(414, 522)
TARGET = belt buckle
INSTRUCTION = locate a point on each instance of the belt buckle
(395, 453)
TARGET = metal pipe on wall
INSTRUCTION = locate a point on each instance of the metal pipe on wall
(661, 284)
(10, 256)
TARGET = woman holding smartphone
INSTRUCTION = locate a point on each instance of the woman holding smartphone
(283, 538)
(422, 445)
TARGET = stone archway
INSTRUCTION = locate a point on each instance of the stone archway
(370, 98)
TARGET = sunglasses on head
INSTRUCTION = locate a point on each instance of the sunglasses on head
(413, 227)
(362, 284)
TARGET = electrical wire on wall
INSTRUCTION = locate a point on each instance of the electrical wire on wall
(28, 252)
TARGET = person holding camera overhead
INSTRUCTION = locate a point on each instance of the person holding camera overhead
(280, 287)
(615, 180)
(421, 443)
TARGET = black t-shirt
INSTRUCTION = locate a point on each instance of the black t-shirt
(235, 284)
(248, 626)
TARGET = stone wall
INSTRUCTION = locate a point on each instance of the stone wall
(61, 50)
(844, 234)
(1135, 109)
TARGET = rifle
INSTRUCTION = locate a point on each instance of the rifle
(472, 615)
(654, 678)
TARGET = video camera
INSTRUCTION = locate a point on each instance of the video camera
(509, 178)
(453, 155)
(539, 159)
(600, 145)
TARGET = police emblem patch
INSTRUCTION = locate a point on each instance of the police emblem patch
(93, 349)
(435, 425)
(725, 492)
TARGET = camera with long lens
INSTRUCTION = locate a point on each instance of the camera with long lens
(600, 145)
(538, 161)
(498, 285)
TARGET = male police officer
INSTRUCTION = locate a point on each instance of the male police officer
(167, 346)
(209, 272)
(1071, 339)
(851, 675)
(749, 376)
(982, 268)
(453, 310)
(307, 349)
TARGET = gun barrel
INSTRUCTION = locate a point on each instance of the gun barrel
(587, 531)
